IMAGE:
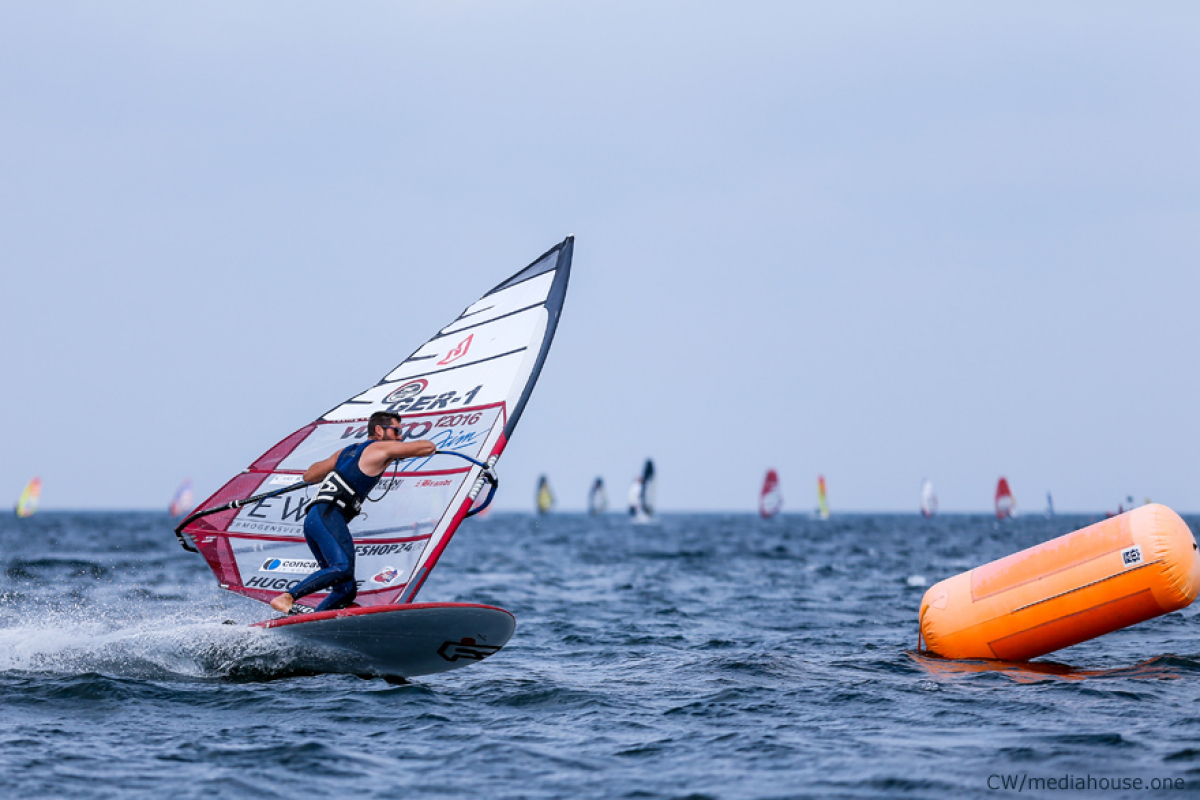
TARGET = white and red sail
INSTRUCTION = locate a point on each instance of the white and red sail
(770, 498)
(1006, 504)
(464, 389)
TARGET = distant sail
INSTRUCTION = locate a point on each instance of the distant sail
(635, 496)
(822, 499)
(31, 495)
(929, 501)
(545, 498)
(1049, 505)
(770, 499)
(643, 494)
(1006, 504)
(183, 500)
(649, 488)
(597, 498)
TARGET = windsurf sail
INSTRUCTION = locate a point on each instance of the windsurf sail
(822, 499)
(182, 500)
(1006, 504)
(1049, 505)
(464, 389)
(635, 497)
(31, 495)
(545, 498)
(645, 493)
(770, 498)
(929, 501)
(597, 498)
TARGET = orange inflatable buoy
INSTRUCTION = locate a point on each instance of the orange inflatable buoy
(1099, 579)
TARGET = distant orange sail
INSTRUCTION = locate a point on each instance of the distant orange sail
(822, 499)
(30, 496)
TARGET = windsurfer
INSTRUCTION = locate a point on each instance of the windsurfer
(347, 477)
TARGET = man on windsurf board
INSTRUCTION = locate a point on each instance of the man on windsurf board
(346, 478)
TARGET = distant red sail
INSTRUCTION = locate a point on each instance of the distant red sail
(1006, 504)
(770, 499)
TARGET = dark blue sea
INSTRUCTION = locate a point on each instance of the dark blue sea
(706, 656)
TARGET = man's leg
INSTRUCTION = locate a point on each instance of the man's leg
(340, 595)
(323, 530)
(345, 590)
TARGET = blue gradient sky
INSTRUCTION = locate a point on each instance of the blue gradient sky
(877, 241)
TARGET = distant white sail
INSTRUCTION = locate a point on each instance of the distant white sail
(597, 498)
(642, 494)
(183, 500)
(635, 496)
(929, 501)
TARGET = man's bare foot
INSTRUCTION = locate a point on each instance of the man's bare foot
(283, 603)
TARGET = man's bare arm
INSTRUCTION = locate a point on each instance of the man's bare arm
(319, 470)
(378, 454)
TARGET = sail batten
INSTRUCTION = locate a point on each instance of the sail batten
(463, 389)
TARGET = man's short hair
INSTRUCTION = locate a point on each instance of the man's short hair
(384, 418)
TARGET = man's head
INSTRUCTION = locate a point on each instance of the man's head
(384, 426)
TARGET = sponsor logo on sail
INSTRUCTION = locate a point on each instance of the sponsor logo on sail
(285, 480)
(277, 584)
(300, 566)
(458, 352)
(364, 550)
(411, 398)
(407, 391)
(386, 576)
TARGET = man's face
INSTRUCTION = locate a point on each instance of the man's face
(391, 432)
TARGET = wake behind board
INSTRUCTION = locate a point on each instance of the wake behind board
(404, 641)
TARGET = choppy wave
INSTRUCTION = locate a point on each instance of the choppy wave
(707, 656)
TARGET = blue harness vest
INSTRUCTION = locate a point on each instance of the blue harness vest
(346, 487)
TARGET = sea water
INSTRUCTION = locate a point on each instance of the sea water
(704, 656)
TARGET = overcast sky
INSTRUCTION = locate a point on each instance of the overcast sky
(878, 241)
